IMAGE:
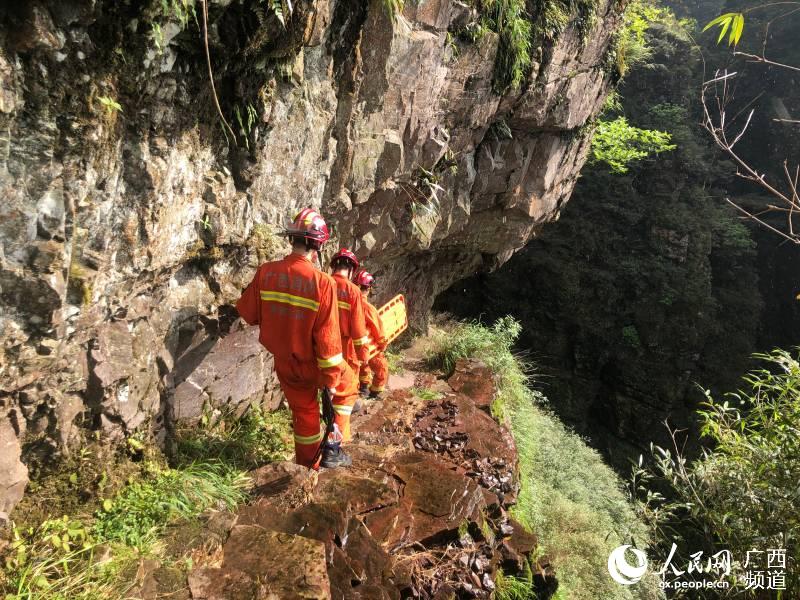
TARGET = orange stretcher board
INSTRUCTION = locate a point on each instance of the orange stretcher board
(394, 319)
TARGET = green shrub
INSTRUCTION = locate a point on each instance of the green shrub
(510, 21)
(742, 493)
(569, 497)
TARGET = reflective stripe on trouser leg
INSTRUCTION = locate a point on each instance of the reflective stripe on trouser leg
(380, 372)
(305, 417)
(343, 401)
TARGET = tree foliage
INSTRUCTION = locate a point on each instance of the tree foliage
(618, 143)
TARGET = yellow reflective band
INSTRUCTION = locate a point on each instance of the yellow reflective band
(375, 389)
(344, 305)
(340, 409)
(289, 299)
(324, 363)
(361, 341)
(309, 439)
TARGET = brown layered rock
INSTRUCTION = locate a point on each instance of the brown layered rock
(399, 523)
(289, 566)
(130, 220)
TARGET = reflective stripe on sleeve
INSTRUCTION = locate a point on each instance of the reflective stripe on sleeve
(344, 305)
(284, 298)
(361, 341)
(324, 363)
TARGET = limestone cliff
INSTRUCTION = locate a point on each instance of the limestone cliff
(132, 214)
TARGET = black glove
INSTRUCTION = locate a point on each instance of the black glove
(327, 407)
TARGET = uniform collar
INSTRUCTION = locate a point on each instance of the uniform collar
(298, 258)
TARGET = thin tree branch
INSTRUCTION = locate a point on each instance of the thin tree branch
(766, 61)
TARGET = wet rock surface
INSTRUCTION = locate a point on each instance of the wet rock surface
(402, 522)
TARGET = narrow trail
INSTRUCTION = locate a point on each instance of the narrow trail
(422, 513)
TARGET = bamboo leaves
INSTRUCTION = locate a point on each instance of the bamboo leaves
(732, 23)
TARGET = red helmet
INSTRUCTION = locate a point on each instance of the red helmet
(309, 224)
(364, 279)
(345, 255)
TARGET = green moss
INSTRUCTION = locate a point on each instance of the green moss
(266, 242)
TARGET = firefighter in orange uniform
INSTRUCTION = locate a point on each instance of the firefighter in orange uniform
(375, 373)
(294, 304)
(354, 335)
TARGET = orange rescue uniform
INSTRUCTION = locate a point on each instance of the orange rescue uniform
(376, 371)
(294, 305)
(354, 347)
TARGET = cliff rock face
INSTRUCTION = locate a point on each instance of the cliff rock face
(629, 297)
(132, 215)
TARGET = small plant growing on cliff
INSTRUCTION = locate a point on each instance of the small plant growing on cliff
(424, 200)
(509, 19)
(247, 122)
(393, 8)
(109, 104)
(631, 336)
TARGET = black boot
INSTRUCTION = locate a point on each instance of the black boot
(373, 394)
(333, 456)
(363, 389)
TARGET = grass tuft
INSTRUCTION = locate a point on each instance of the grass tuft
(425, 394)
(512, 588)
(256, 438)
(495, 346)
(141, 511)
(395, 361)
(96, 552)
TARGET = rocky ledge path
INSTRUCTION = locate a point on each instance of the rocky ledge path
(422, 513)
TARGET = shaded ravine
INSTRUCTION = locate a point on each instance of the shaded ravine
(421, 513)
